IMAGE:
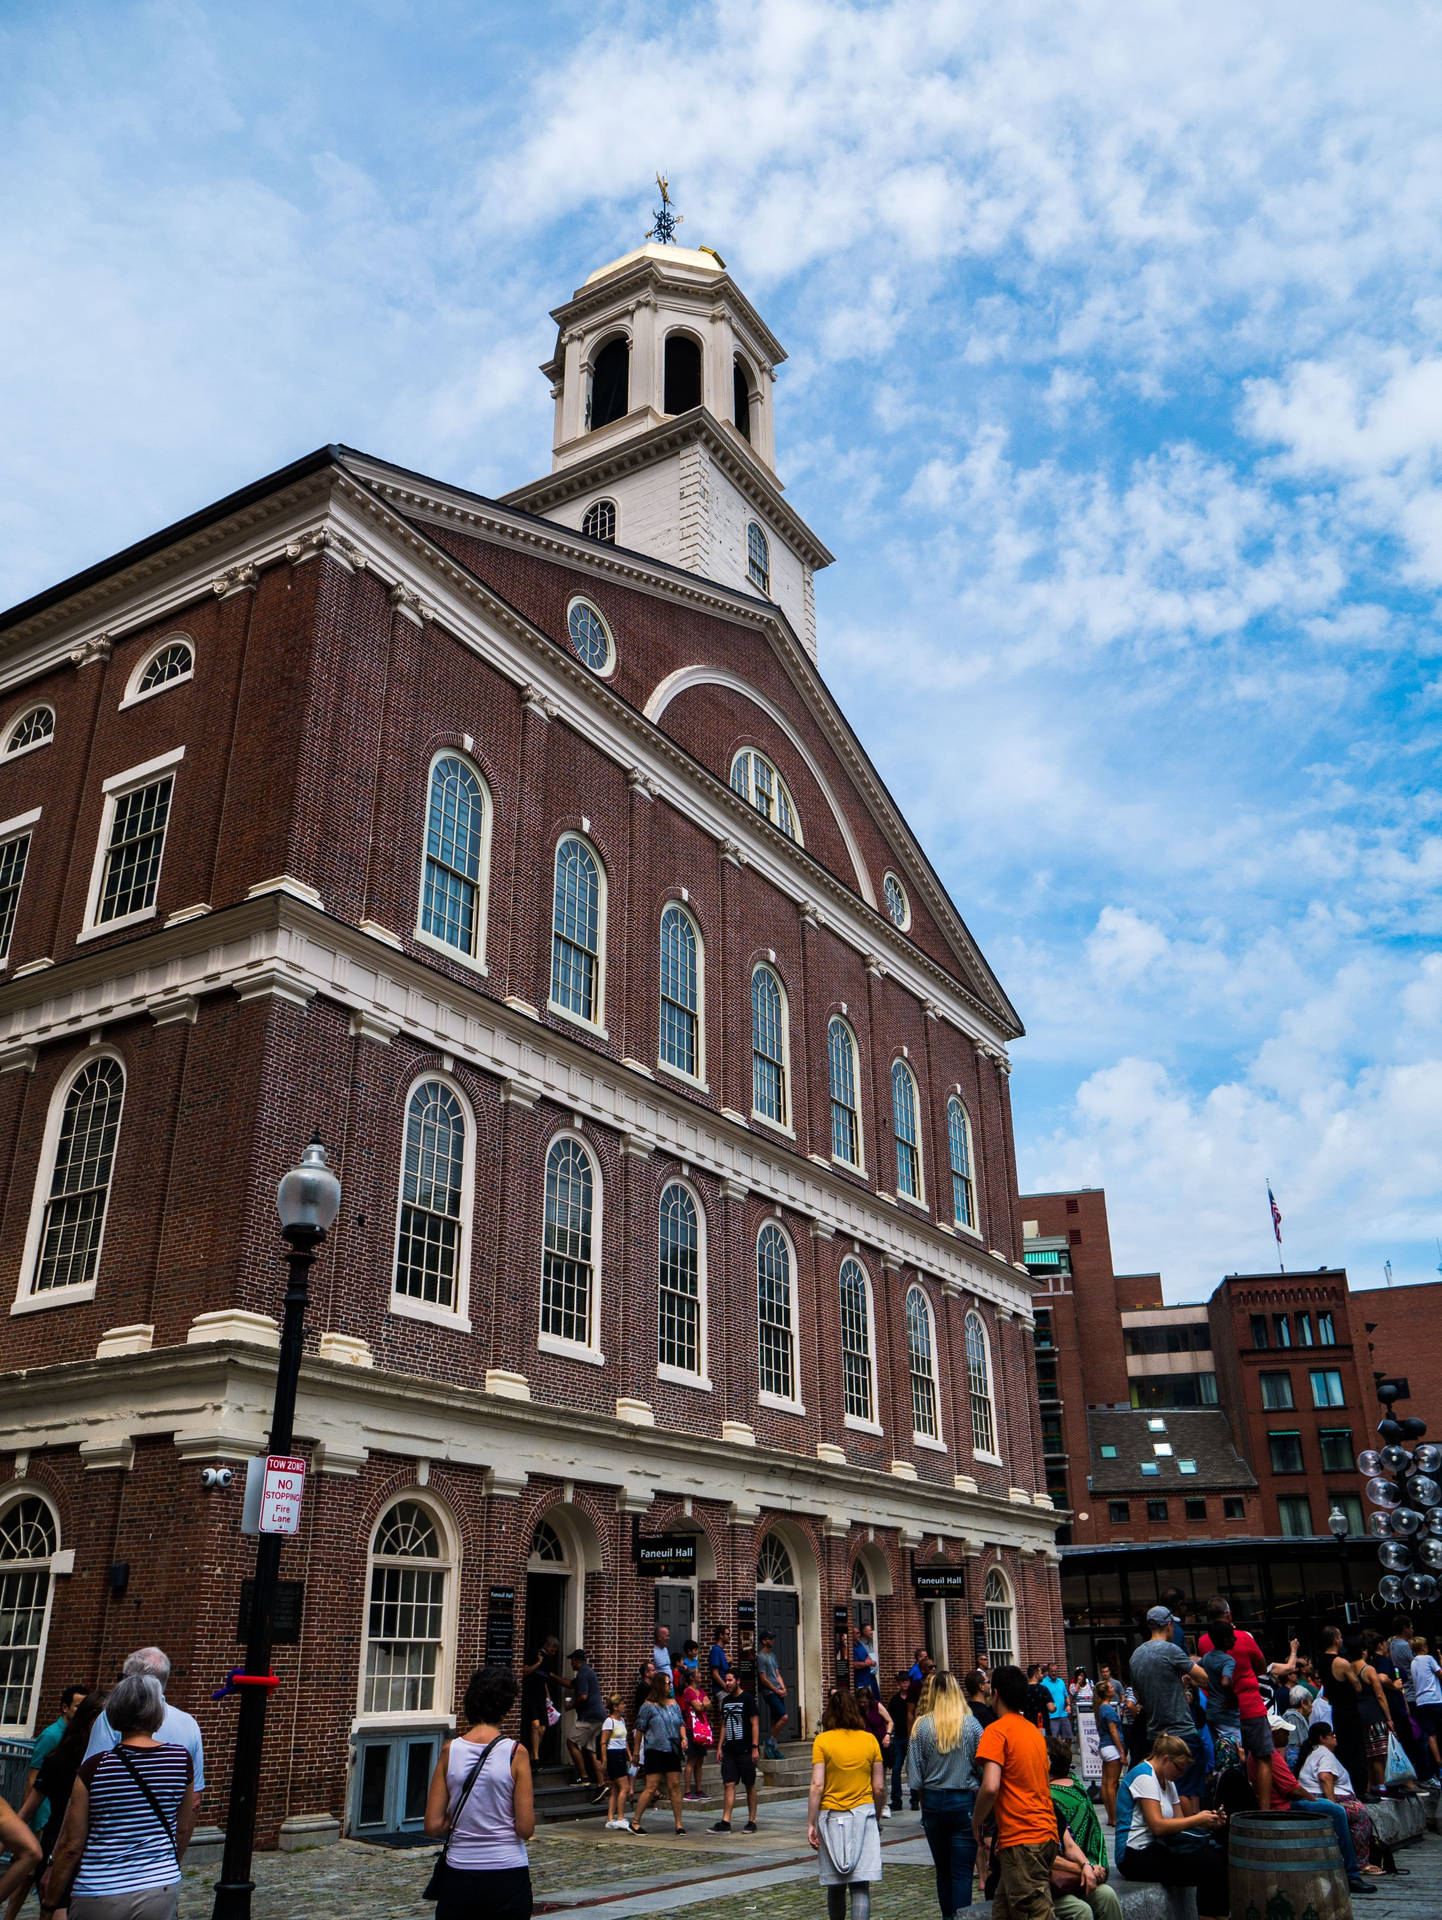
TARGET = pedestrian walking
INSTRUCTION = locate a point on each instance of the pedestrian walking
(772, 1686)
(1158, 1669)
(659, 1734)
(616, 1745)
(848, 1786)
(1111, 1744)
(740, 1750)
(1014, 1786)
(941, 1768)
(1427, 1702)
(541, 1694)
(177, 1728)
(1164, 1845)
(129, 1818)
(49, 1794)
(866, 1663)
(899, 1709)
(482, 1800)
(590, 1711)
(878, 1723)
(36, 1808)
(700, 1735)
(1058, 1703)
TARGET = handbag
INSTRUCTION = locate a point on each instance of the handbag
(553, 1713)
(436, 1885)
(701, 1730)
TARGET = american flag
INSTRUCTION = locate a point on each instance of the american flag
(1276, 1214)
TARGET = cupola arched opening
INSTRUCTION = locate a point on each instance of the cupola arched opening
(683, 374)
(611, 382)
(741, 400)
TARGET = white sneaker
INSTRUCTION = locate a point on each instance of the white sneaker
(886, 1813)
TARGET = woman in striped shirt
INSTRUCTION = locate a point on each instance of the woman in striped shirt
(130, 1818)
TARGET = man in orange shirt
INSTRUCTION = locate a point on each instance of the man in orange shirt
(1016, 1784)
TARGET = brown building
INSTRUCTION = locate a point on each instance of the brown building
(520, 848)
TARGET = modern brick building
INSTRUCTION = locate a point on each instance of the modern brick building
(519, 847)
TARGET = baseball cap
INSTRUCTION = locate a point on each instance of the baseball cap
(1278, 1724)
(1159, 1616)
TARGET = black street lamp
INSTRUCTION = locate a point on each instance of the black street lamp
(1404, 1488)
(307, 1201)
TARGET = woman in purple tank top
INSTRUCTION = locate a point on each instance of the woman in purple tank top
(481, 1800)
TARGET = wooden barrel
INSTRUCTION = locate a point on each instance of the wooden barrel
(1284, 1866)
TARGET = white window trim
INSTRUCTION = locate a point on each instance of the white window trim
(933, 1443)
(457, 1318)
(132, 697)
(476, 960)
(775, 1400)
(114, 789)
(437, 1716)
(27, 1300)
(856, 1424)
(12, 830)
(603, 500)
(917, 1199)
(755, 753)
(969, 1135)
(903, 925)
(588, 1350)
(604, 671)
(697, 1079)
(16, 1491)
(853, 1420)
(783, 1125)
(596, 1026)
(977, 1453)
(858, 1165)
(31, 746)
(664, 1371)
(991, 1459)
(932, 1446)
(780, 1401)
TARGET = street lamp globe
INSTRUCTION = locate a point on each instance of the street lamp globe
(308, 1198)
(1337, 1523)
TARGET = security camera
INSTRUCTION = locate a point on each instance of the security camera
(220, 1477)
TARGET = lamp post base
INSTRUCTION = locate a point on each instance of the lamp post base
(232, 1899)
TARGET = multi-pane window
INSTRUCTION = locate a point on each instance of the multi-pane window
(174, 661)
(74, 1220)
(133, 850)
(454, 825)
(768, 1047)
(1326, 1330)
(590, 635)
(897, 906)
(963, 1182)
(1259, 1330)
(1000, 1621)
(567, 1267)
(680, 995)
(856, 1341)
(978, 1380)
(774, 1313)
(30, 729)
(1234, 1507)
(758, 558)
(1295, 1514)
(1304, 1330)
(27, 1542)
(1286, 1452)
(576, 929)
(428, 1241)
(1281, 1330)
(1276, 1389)
(678, 1317)
(845, 1116)
(1119, 1512)
(921, 1364)
(1156, 1509)
(405, 1618)
(599, 521)
(904, 1124)
(1327, 1388)
(1195, 1509)
(1336, 1445)
(756, 779)
(13, 856)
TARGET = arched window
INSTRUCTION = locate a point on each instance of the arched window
(683, 374)
(845, 1115)
(457, 831)
(758, 558)
(856, 1355)
(546, 1547)
(576, 931)
(610, 384)
(963, 1184)
(430, 1233)
(1000, 1621)
(680, 1336)
(898, 906)
(406, 1617)
(590, 636)
(921, 1363)
(863, 1607)
(773, 1564)
(903, 1116)
(28, 1541)
(680, 992)
(755, 778)
(599, 521)
(774, 1313)
(741, 400)
(172, 661)
(568, 1291)
(69, 1221)
(32, 729)
(978, 1380)
(769, 1091)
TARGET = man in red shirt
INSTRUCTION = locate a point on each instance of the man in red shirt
(1016, 1784)
(1287, 1793)
(1250, 1662)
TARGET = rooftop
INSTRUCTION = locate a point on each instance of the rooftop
(1124, 1441)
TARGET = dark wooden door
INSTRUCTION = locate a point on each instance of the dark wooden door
(778, 1613)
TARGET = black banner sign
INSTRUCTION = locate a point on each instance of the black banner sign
(939, 1582)
(500, 1626)
(978, 1638)
(746, 1630)
(664, 1553)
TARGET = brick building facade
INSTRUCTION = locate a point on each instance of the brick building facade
(667, 1089)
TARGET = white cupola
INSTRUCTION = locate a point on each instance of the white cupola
(663, 378)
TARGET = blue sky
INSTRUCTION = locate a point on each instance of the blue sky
(1115, 383)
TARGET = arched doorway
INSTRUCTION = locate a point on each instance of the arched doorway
(788, 1606)
(778, 1610)
(564, 1549)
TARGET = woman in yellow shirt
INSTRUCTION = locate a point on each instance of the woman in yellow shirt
(848, 1786)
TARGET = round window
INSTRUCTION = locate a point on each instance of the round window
(897, 904)
(590, 635)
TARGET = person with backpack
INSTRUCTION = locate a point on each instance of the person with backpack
(1157, 1842)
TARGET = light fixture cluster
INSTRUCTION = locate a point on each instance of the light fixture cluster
(1406, 1495)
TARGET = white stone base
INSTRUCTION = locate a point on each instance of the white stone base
(306, 1830)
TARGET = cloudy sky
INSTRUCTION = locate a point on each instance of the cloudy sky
(1115, 383)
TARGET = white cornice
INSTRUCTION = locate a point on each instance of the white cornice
(279, 945)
